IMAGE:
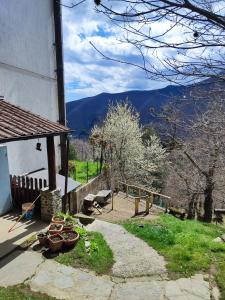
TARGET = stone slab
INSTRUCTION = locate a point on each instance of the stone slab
(194, 288)
(138, 291)
(18, 267)
(65, 282)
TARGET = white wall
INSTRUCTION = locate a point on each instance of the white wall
(27, 72)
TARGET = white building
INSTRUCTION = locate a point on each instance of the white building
(31, 72)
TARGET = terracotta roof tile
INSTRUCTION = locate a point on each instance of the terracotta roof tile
(19, 124)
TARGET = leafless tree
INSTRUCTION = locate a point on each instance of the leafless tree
(198, 153)
(198, 27)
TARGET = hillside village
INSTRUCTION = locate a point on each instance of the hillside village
(120, 195)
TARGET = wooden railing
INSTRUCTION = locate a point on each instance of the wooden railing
(140, 193)
(26, 189)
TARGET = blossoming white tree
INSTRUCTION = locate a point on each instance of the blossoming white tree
(120, 139)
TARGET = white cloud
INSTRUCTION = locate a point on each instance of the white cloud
(86, 72)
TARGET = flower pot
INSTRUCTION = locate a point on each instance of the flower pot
(68, 226)
(70, 238)
(42, 238)
(55, 228)
(55, 242)
(58, 219)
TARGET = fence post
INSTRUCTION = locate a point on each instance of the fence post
(137, 200)
(97, 166)
(75, 173)
(87, 171)
(148, 201)
(127, 190)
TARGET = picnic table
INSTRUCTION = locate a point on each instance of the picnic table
(103, 196)
(88, 202)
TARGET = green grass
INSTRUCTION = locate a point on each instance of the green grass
(100, 259)
(81, 171)
(187, 246)
(21, 292)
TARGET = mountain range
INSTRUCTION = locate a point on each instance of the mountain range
(83, 114)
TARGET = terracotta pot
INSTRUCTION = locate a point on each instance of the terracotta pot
(43, 239)
(68, 227)
(53, 230)
(55, 242)
(58, 220)
(71, 241)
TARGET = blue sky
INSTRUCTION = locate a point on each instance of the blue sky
(86, 72)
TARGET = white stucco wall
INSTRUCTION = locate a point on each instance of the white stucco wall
(27, 72)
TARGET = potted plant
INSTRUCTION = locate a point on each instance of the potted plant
(70, 238)
(42, 237)
(58, 219)
(55, 228)
(55, 242)
(68, 225)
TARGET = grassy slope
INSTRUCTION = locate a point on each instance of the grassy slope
(100, 259)
(21, 292)
(186, 245)
(81, 171)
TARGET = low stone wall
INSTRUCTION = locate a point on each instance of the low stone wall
(92, 187)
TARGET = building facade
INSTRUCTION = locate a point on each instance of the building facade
(31, 73)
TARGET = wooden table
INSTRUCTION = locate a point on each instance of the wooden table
(103, 196)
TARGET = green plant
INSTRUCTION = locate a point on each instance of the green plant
(82, 231)
(93, 246)
(22, 292)
(100, 259)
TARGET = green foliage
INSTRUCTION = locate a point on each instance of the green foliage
(80, 174)
(94, 246)
(187, 245)
(21, 292)
(220, 276)
(82, 231)
(100, 259)
(67, 216)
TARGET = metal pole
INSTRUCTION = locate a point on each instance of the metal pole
(87, 171)
(66, 175)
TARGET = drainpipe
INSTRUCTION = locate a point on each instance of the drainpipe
(60, 79)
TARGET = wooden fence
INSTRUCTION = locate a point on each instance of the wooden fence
(148, 196)
(26, 189)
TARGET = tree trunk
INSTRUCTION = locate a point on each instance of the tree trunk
(208, 202)
(191, 208)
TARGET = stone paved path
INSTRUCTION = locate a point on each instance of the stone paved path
(135, 282)
(133, 257)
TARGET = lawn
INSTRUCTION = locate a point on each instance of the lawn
(21, 292)
(100, 259)
(81, 170)
(187, 246)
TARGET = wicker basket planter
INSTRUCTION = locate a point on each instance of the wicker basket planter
(55, 242)
(70, 238)
(55, 228)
